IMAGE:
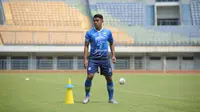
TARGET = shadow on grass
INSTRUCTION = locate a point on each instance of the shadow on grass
(92, 102)
(78, 102)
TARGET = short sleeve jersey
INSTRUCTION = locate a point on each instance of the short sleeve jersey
(99, 42)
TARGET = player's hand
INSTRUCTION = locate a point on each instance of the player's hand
(85, 63)
(114, 59)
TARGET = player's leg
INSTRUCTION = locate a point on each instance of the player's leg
(91, 69)
(88, 84)
(106, 70)
(110, 86)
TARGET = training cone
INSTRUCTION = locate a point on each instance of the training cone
(69, 93)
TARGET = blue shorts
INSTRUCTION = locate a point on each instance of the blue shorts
(105, 67)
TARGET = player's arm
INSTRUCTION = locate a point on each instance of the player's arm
(112, 47)
(86, 46)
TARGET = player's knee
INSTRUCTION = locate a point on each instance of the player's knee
(108, 78)
(90, 76)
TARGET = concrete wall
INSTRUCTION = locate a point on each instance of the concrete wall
(168, 12)
(186, 14)
(154, 63)
(134, 61)
(149, 16)
(197, 61)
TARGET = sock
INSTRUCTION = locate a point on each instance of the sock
(110, 89)
(88, 84)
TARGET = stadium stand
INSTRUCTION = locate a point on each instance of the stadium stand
(129, 16)
(126, 13)
(58, 38)
(49, 35)
(44, 13)
(8, 14)
(1, 40)
(195, 12)
(40, 35)
(48, 30)
(23, 37)
(8, 37)
(48, 22)
(32, 13)
(56, 22)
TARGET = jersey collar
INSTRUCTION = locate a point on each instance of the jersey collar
(99, 30)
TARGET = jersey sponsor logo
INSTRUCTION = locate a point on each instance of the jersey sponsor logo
(99, 38)
(109, 70)
(99, 42)
(104, 33)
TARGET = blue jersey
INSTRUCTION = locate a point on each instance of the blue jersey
(99, 42)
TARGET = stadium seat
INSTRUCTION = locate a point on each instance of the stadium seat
(195, 12)
(57, 22)
(58, 38)
(8, 37)
(77, 38)
(127, 13)
(8, 14)
(24, 38)
(44, 13)
(41, 38)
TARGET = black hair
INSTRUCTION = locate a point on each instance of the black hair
(98, 16)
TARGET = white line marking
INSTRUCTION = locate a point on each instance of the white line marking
(154, 95)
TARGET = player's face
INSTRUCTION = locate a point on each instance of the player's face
(98, 23)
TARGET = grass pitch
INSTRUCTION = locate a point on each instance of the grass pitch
(141, 93)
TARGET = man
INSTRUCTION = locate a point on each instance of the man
(98, 37)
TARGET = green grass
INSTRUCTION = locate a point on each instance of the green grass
(141, 93)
